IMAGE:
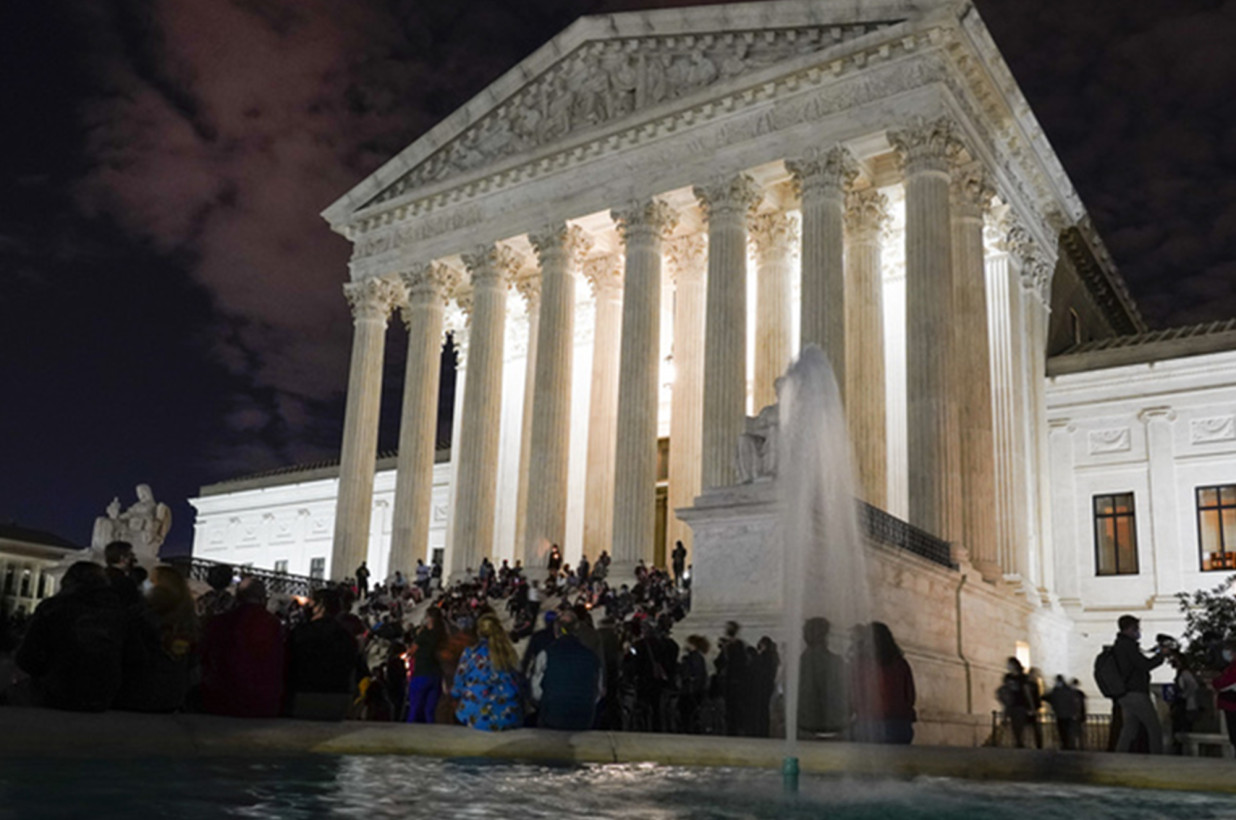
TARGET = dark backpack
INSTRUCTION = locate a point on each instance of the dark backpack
(1107, 674)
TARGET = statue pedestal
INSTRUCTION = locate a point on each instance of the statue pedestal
(736, 572)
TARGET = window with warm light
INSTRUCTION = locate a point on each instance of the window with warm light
(1216, 527)
(1115, 535)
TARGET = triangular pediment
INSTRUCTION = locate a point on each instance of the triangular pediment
(605, 71)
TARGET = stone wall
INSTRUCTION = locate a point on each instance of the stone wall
(956, 629)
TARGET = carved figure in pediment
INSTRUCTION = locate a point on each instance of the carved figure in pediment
(558, 106)
(656, 78)
(735, 63)
(702, 71)
(623, 81)
(527, 120)
(592, 96)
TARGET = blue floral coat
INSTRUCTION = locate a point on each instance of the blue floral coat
(488, 699)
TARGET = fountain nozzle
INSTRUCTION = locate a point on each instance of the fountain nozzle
(789, 775)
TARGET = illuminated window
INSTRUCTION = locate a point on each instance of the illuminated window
(317, 568)
(1115, 536)
(281, 567)
(1216, 527)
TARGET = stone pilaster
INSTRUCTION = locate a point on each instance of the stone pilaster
(491, 269)
(866, 219)
(822, 176)
(428, 287)
(773, 236)
(529, 287)
(371, 301)
(972, 192)
(727, 205)
(560, 250)
(934, 470)
(688, 264)
(642, 227)
(604, 274)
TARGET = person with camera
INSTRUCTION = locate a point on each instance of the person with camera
(1136, 707)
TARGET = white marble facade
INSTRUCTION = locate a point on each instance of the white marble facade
(751, 177)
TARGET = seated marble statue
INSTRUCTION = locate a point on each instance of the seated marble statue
(757, 446)
(144, 524)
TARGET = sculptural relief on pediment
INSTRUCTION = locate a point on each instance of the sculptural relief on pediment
(602, 82)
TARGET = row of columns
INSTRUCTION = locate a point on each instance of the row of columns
(951, 461)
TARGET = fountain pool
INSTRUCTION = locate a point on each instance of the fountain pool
(409, 787)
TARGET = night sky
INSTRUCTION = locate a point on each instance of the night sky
(170, 304)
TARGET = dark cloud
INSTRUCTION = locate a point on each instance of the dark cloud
(172, 300)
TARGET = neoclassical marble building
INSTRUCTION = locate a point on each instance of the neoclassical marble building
(701, 191)
(628, 237)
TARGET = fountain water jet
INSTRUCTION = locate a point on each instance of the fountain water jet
(824, 570)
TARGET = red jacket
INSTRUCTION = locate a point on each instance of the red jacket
(883, 692)
(1227, 700)
(242, 663)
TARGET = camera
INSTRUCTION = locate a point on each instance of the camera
(1167, 643)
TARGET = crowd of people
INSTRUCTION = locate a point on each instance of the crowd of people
(1123, 674)
(574, 648)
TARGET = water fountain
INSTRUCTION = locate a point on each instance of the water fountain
(823, 564)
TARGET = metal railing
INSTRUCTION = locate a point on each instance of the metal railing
(277, 583)
(1095, 733)
(892, 531)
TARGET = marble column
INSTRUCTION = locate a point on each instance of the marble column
(1009, 268)
(559, 249)
(604, 274)
(491, 269)
(972, 192)
(773, 236)
(428, 287)
(866, 218)
(688, 264)
(1038, 303)
(457, 319)
(529, 286)
(371, 301)
(1164, 528)
(727, 205)
(822, 176)
(642, 227)
(934, 465)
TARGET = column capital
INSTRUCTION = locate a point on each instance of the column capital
(866, 213)
(687, 258)
(604, 274)
(566, 241)
(528, 284)
(492, 265)
(429, 282)
(824, 171)
(772, 233)
(644, 221)
(972, 190)
(926, 146)
(735, 196)
(372, 299)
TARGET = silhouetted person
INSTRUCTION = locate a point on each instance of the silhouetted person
(120, 562)
(362, 580)
(678, 561)
(243, 657)
(1136, 709)
(735, 682)
(322, 661)
(1018, 694)
(74, 645)
(566, 680)
(823, 685)
(882, 691)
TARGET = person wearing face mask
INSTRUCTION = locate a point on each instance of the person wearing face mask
(1136, 707)
(1225, 685)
